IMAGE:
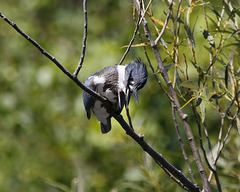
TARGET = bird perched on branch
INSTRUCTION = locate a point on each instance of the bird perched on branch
(116, 83)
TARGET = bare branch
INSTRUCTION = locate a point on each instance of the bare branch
(134, 34)
(165, 25)
(75, 74)
(63, 69)
(131, 42)
(181, 143)
(155, 155)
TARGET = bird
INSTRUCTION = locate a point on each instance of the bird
(116, 83)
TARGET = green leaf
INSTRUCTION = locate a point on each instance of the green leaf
(201, 110)
(200, 75)
(216, 96)
(226, 76)
(189, 84)
(178, 80)
(209, 49)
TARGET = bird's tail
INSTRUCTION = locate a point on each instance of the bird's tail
(105, 128)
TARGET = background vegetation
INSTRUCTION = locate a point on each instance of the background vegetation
(46, 141)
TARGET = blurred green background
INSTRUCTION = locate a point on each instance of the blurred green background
(46, 141)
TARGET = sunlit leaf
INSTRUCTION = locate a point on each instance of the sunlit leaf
(216, 97)
(137, 45)
(158, 21)
(189, 84)
(222, 104)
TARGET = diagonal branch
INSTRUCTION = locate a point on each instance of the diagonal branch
(188, 185)
(134, 34)
(165, 25)
(63, 69)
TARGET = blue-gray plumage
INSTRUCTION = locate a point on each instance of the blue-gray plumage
(114, 83)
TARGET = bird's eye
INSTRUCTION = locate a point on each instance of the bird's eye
(131, 82)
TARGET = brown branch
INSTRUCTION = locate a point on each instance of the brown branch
(164, 26)
(134, 34)
(130, 43)
(63, 69)
(75, 74)
(213, 168)
(181, 143)
(188, 185)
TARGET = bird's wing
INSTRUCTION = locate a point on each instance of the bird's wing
(88, 100)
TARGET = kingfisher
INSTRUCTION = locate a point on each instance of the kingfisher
(116, 83)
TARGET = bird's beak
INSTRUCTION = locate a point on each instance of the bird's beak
(135, 94)
(129, 93)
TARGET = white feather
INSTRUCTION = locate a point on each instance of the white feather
(100, 112)
(122, 82)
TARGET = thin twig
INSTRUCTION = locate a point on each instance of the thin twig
(130, 43)
(174, 178)
(164, 26)
(213, 167)
(83, 41)
(181, 143)
(128, 115)
(63, 69)
(134, 34)
(229, 129)
(226, 137)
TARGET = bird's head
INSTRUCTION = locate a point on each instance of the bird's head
(136, 73)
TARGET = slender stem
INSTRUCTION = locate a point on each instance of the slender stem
(130, 43)
(63, 69)
(134, 34)
(155, 155)
(181, 143)
(83, 41)
(165, 25)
